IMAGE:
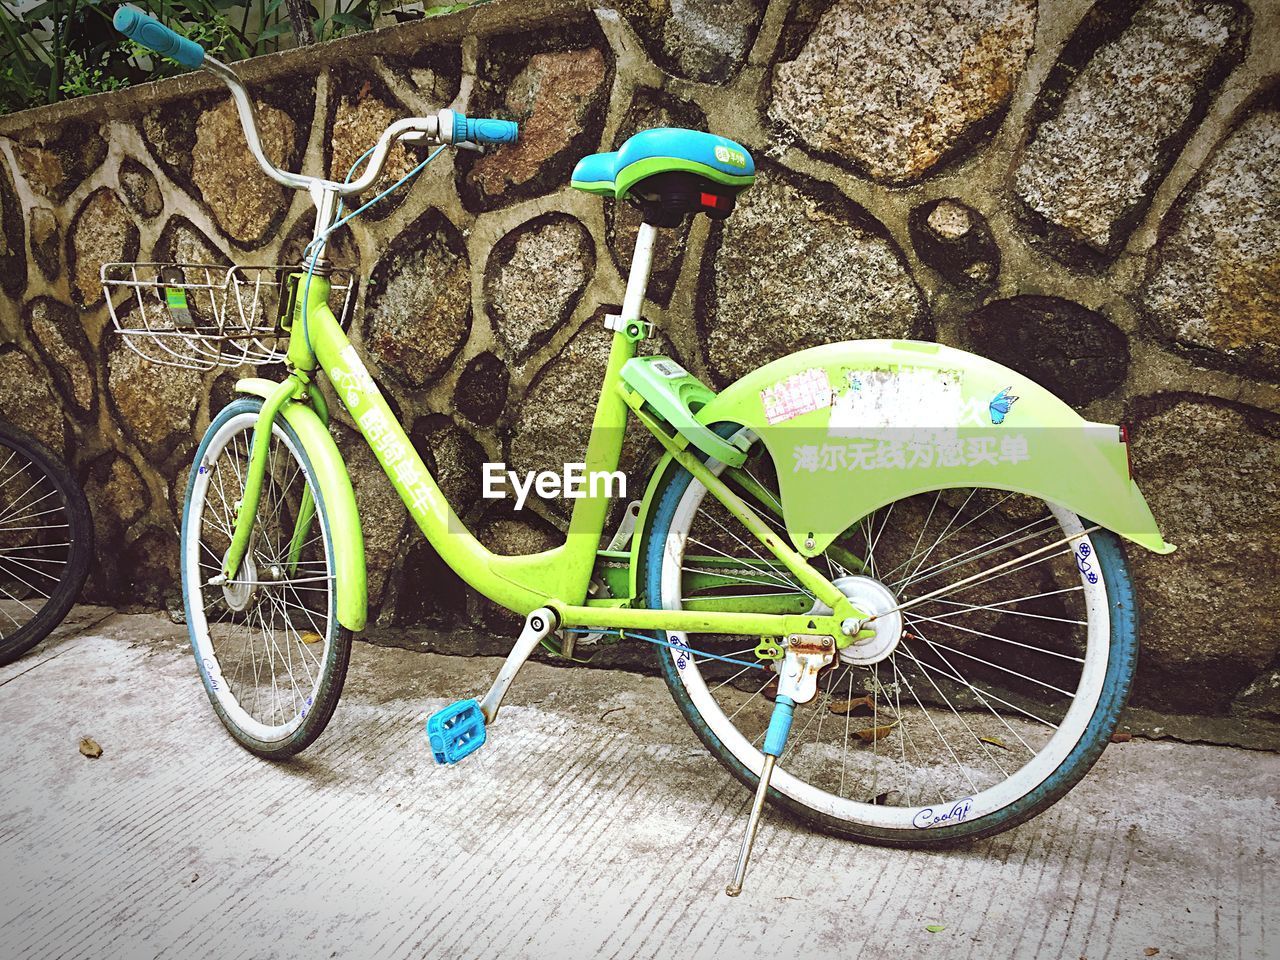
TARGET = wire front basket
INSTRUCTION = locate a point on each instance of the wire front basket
(200, 315)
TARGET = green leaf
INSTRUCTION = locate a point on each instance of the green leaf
(350, 20)
(935, 928)
(42, 10)
(275, 30)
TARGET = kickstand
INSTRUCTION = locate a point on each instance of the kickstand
(805, 657)
(774, 743)
(537, 626)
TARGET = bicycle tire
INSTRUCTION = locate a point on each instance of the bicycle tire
(1122, 649)
(74, 570)
(285, 598)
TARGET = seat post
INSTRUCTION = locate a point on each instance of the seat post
(638, 279)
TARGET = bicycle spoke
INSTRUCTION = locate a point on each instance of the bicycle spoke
(992, 636)
(752, 697)
(844, 754)
(951, 706)
(1000, 570)
(974, 690)
(19, 502)
(975, 607)
(899, 678)
(59, 508)
(26, 583)
(1014, 673)
(19, 602)
(996, 698)
(967, 523)
(980, 552)
(942, 536)
(743, 543)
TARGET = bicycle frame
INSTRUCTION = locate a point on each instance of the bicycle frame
(558, 578)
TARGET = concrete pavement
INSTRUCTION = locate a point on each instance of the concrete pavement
(592, 824)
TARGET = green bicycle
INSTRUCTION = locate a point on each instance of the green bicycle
(864, 566)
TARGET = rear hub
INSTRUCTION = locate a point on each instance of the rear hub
(876, 600)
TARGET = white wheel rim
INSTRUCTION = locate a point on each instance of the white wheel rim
(957, 809)
(198, 624)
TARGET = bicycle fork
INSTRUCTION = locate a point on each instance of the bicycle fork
(805, 656)
(294, 388)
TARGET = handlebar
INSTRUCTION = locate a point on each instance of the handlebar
(447, 126)
(483, 130)
(158, 38)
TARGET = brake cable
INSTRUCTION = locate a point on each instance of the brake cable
(310, 256)
(624, 635)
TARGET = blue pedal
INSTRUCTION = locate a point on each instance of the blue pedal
(456, 731)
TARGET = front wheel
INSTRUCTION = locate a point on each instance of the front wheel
(268, 644)
(978, 706)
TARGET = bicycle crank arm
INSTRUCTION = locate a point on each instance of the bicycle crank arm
(458, 730)
(537, 626)
(797, 683)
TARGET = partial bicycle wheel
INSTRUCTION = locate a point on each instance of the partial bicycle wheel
(46, 540)
(268, 644)
(996, 678)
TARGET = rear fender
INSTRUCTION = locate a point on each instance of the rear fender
(854, 426)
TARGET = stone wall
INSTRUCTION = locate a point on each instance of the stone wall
(1088, 194)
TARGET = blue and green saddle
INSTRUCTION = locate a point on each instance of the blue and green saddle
(661, 151)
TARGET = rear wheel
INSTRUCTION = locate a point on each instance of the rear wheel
(268, 644)
(980, 703)
(46, 541)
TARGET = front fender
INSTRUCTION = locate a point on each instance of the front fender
(854, 426)
(339, 501)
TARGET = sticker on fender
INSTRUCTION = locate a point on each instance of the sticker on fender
(798, 394)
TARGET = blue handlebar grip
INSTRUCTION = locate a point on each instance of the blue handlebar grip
(154, 35)
(484, 129)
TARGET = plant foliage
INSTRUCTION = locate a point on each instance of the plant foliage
(52, 50)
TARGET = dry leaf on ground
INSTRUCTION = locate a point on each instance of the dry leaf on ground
(875, 733)
(845, 707)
